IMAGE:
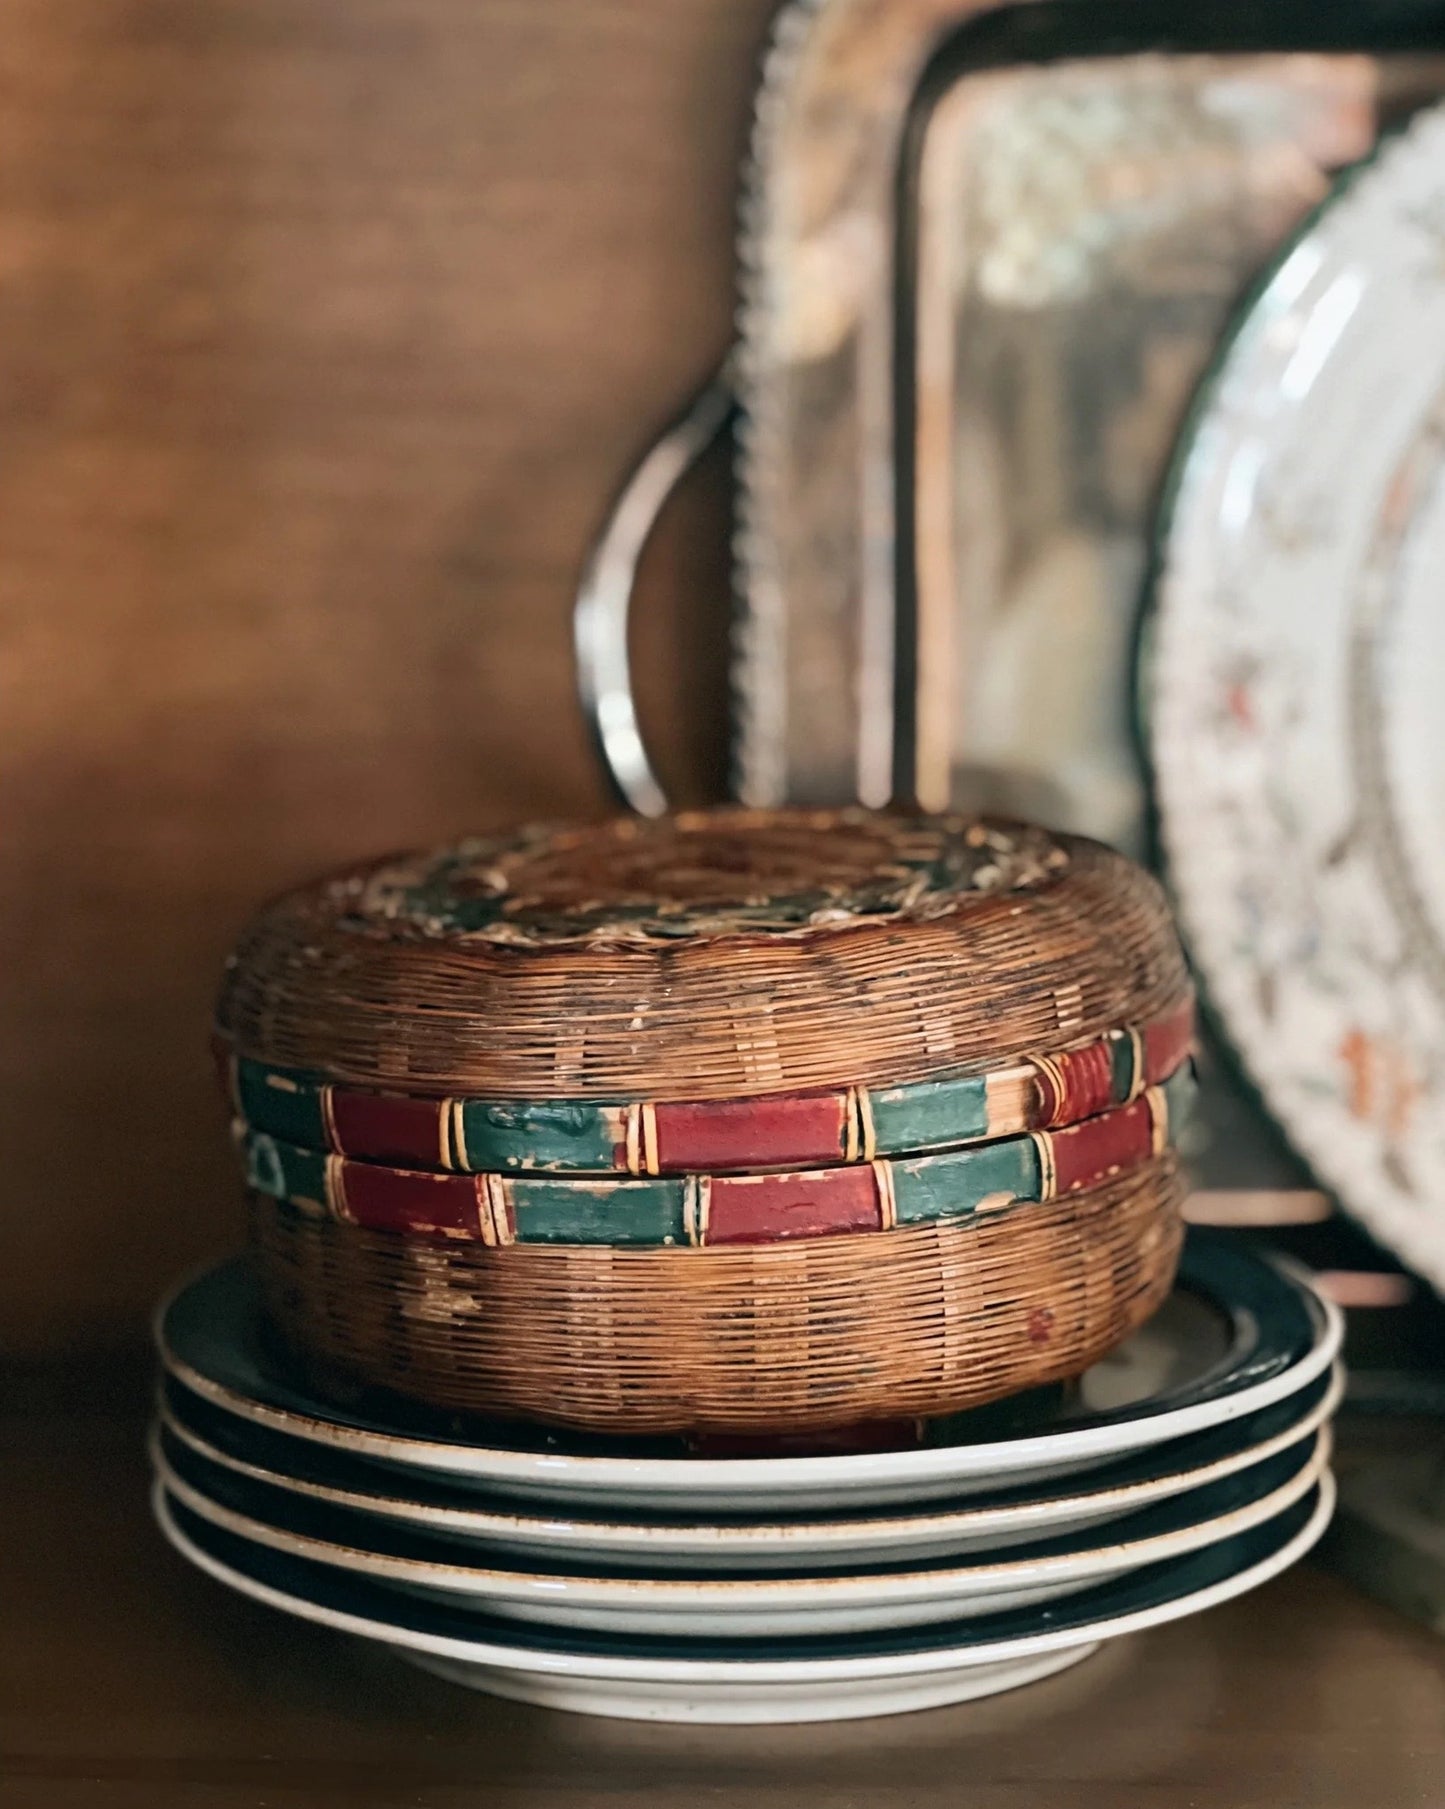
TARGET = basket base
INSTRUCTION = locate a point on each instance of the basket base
(792, 1339)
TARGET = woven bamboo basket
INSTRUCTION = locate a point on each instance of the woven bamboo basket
(716, 955)
(778, 1338)
(1041, 1090)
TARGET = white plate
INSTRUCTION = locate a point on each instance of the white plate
(987, 1524)
(1237, 1334)
(1295, 677)
(751, 1607)
(662, 1699)
(815, 1681)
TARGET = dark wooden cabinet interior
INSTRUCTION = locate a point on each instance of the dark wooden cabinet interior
(326, 329)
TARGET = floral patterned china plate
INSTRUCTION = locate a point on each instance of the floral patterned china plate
(1295, 668)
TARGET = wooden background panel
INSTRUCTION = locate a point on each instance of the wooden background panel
(326, 329)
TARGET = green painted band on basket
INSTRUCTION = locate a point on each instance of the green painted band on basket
(702, 1209)
(642, 1137)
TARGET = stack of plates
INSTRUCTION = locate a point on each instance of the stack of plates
(639, 1579)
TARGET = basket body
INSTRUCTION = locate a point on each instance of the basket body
(829, 966)
(778, 1338)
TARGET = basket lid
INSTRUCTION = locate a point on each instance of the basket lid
(703, 955)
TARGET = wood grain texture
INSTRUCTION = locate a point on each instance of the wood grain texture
(128, 1681)
(326, 329)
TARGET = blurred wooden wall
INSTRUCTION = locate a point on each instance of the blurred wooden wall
(326, 328)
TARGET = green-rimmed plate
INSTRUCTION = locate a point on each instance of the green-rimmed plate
(474, 1521)
(1236, 1335)
(828, 1678)
(792, 1604)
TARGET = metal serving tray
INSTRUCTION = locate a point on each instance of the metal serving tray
(988, 253)
(987, 250)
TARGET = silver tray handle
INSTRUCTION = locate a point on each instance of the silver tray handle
(604, 593)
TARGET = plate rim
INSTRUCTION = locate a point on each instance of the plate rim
(602, 1476)
(801, 1535)
(706, 1671)
(767, 1592)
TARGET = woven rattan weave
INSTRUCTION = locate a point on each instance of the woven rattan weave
(790, 1337)
(706, 956)
(1038, 1091)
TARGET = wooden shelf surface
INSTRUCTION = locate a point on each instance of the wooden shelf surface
(128, 1679)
